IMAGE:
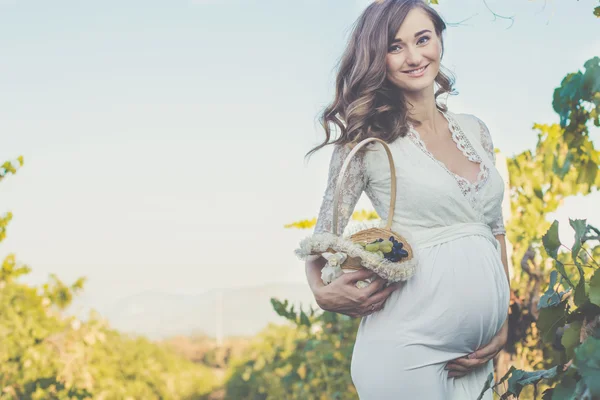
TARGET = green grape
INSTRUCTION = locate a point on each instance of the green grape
(386, 243)
(385, 249)
(373, 247)
(380, 253)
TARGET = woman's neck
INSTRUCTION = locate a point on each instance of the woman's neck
(422, 108)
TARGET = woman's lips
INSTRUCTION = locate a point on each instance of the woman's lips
(415, 73)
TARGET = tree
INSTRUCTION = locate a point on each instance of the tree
(45, 355)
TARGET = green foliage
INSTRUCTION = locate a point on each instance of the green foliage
(561, 165)
(519, 379)
(550, 319)
(559, 310)
(587, 360)
(309, 358)
(45, 355)
(551, 297)
(594, 291)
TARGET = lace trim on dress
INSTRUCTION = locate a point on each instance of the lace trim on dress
(498, 227)
(469, 189)
(487, 143)
(355, 181)
(391, 271)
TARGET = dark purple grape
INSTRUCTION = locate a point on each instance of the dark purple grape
(404, 253)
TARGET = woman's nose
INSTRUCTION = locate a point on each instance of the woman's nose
(413, 57)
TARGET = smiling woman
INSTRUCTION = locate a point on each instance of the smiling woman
(440, 328)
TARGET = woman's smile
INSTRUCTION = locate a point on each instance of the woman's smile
(416, 72)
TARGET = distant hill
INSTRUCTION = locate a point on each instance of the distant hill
(244, 311)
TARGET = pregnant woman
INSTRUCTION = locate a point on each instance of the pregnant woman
(438, 332)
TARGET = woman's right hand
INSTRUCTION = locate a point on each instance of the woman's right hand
(342, 296)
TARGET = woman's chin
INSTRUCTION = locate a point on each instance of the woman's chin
(417, 87)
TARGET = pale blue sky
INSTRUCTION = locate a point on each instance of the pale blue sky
(164, 140)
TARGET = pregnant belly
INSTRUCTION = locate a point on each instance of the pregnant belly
(455, 303)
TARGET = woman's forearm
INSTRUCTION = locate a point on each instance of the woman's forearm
(313, 267)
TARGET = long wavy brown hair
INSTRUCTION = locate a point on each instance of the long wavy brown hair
(366, 104)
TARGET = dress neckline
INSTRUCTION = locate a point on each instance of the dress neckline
(464, 145)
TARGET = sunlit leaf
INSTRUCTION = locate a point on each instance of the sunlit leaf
(587, 173)
(551, 240)
(580, 227)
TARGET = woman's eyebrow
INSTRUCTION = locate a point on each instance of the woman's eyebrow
(416, 34)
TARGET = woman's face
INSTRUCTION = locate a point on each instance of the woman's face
(413, 59)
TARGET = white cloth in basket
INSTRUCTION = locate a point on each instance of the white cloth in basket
(458, 298)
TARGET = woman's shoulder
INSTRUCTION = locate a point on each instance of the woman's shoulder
(470, 120)
(478, 130)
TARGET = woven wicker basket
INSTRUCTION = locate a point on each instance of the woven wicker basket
(369, 235)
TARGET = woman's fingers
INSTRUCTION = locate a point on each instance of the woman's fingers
(382, 295)
(488, 351)
(455, 374)
(358, 275)
(456, 367)
(374, 287)
(377, 301)
(467, 363)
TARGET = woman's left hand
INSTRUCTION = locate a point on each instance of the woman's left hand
(462, 366)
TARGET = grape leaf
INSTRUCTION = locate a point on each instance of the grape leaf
(580, 228)
(594, 291)
(519, 379)
(564, 390)
(550, 298)
(550, 319)
(551, 241)
(488, 384)
(570, 338)
(580, 297)
(587, 361)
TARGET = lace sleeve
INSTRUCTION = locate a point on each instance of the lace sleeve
(486, 140)
(354, 184)
(488, 145)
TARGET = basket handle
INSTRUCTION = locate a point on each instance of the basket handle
(339, 185)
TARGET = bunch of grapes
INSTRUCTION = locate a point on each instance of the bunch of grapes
(390, 249)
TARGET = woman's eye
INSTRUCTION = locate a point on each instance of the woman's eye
(424, 39)
(394, 48)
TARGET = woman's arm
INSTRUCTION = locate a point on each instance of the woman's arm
(341, 295)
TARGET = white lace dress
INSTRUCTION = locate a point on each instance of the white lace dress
(458, 298)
